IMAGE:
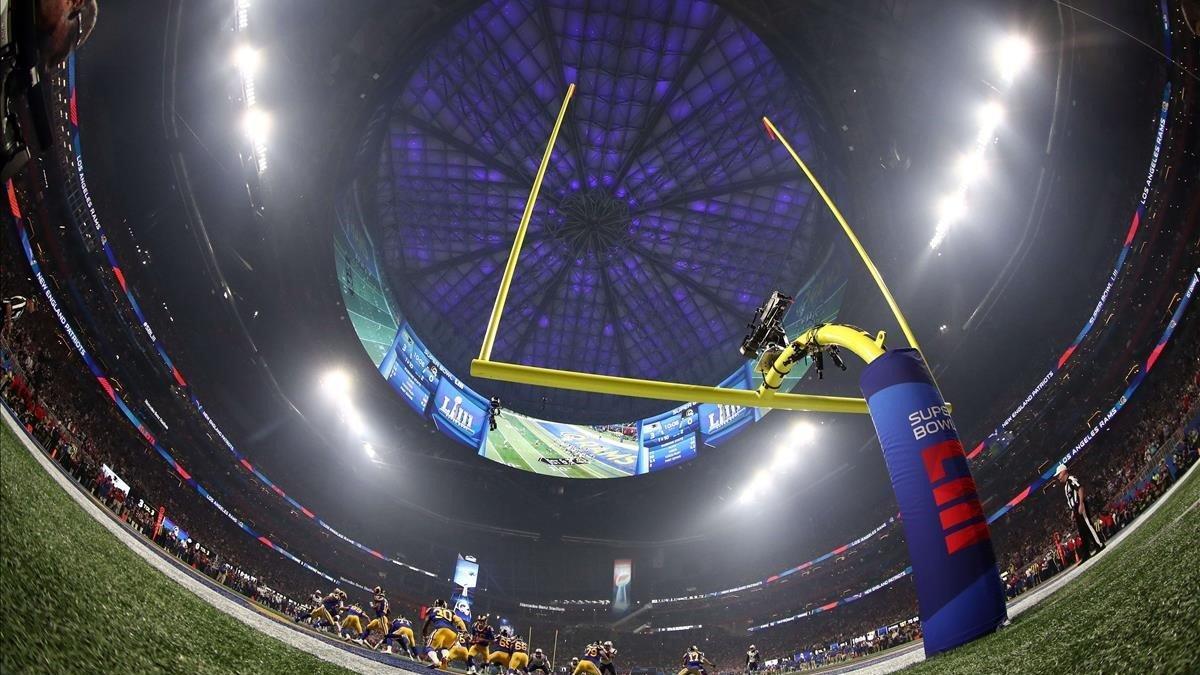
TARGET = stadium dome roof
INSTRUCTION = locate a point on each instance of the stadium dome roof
(666, 215)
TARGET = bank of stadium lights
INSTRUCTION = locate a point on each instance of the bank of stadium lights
(242, 14)
(247, 60)
(256, 125)
(1011, 55)
(802, 435)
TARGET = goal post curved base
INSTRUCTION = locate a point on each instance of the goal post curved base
(959, 591)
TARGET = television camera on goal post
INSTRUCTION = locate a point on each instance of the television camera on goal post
(959, 591)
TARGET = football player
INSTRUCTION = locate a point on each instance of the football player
(381, 608)
(482, 635)
(351, 626)
(694, 661)
(441, 630)
(401, 631)
(500, 656)
(519, 661)
(539, 662)
(607, 653)
(329, 607)
(458, 652)
(587, 661)
(752, 659)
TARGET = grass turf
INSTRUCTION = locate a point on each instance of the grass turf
(1135, 611)
(74, 598)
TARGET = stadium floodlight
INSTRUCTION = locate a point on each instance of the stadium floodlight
(952, 207)
(1012, 54)
(335, 383)
(256, 124)
(939, 235)
(970, 166)
(355, 421)
(785, 456)
(991, 115)
(804, 433)
(247, 59)
(370, 450)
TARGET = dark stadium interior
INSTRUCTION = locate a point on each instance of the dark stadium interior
(235, 270)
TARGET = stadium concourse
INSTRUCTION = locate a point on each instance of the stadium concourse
(246, 270)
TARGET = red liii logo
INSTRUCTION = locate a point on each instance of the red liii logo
(946, 491)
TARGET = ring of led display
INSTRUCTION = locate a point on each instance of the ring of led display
(665, 217)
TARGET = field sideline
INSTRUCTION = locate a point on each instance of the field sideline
(1134, 611)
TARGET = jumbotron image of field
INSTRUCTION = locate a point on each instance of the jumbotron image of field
(594, 337)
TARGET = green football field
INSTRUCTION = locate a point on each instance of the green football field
(1137, 610)
(76, 599)
(522, 443)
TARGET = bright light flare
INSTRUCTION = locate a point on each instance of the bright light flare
(256, 124)
(804, 433)
(355, 421)
(1012, 55)
(335, 383)
(970, 167)
(990, 116)
(370, 450)
(247, 60)
(952, 207)
(785, 456)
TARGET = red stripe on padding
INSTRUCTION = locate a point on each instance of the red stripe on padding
(181, 472)
(935, 457)
(971, 534)
(960, 513)
(955, 489)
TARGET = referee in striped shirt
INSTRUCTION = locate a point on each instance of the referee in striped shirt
(1083, 518)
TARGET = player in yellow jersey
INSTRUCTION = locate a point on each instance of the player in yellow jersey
(519, 661)
(351, 627)
(482, 635)
(502, 651)
(459, 652)
(329, 607)
(400, 631)
(588, 660)
(381, 608)
(441, 630)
